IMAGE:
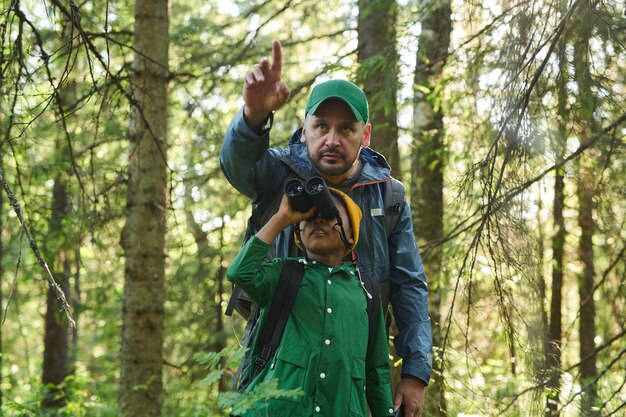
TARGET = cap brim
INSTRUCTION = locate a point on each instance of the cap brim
(355, 112)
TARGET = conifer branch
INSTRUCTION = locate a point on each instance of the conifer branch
(35, 248)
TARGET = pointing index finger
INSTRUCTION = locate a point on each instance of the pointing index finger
(277, 50)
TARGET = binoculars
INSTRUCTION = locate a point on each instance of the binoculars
(314, 192)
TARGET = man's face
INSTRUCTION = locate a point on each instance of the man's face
(334, 139)
(321, 237)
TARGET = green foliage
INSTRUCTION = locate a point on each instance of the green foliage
(230, 356)
(82, 400)
(243, 402)
(202, 397)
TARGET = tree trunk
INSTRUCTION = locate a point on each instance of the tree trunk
(585, 191)
(553, 345)
(56, 338)
(143, 238)
(57, 333)
(587, 328)
(378, 74)
(428, 161)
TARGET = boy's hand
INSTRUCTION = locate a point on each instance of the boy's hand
(263, 89)
(286, 215)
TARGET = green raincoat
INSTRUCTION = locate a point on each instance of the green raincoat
(323, 351)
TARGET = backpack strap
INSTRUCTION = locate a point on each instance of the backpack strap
(234, 295)
(393, 199)
(393, 202)
(278, 313)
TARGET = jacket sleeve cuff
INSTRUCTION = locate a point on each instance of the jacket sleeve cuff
(242, 125)
(379, 400)
(407, 376)
(416, 370)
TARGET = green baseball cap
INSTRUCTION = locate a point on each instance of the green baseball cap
(343, 90)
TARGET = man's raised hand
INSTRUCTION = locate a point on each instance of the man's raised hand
(263, 89)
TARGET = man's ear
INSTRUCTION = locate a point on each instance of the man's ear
(302, 136)
(367, 134)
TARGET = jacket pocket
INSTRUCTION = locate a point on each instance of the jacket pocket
(290, 368)
(358, 406)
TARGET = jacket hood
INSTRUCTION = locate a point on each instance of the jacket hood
(375, 166)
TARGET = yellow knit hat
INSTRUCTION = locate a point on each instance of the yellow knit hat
(354, 215)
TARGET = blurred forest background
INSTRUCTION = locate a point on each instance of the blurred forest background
(505, 120)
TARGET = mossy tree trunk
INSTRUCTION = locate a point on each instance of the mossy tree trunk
(378, 75)
(143, 238)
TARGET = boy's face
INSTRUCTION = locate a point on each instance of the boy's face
(321, 237)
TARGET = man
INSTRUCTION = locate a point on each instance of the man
(334, 143)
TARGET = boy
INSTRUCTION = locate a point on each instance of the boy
(324, 349)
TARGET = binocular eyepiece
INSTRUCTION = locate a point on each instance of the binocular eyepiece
(314, 192)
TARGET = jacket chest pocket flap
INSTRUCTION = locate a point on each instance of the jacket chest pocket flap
(290, 366)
